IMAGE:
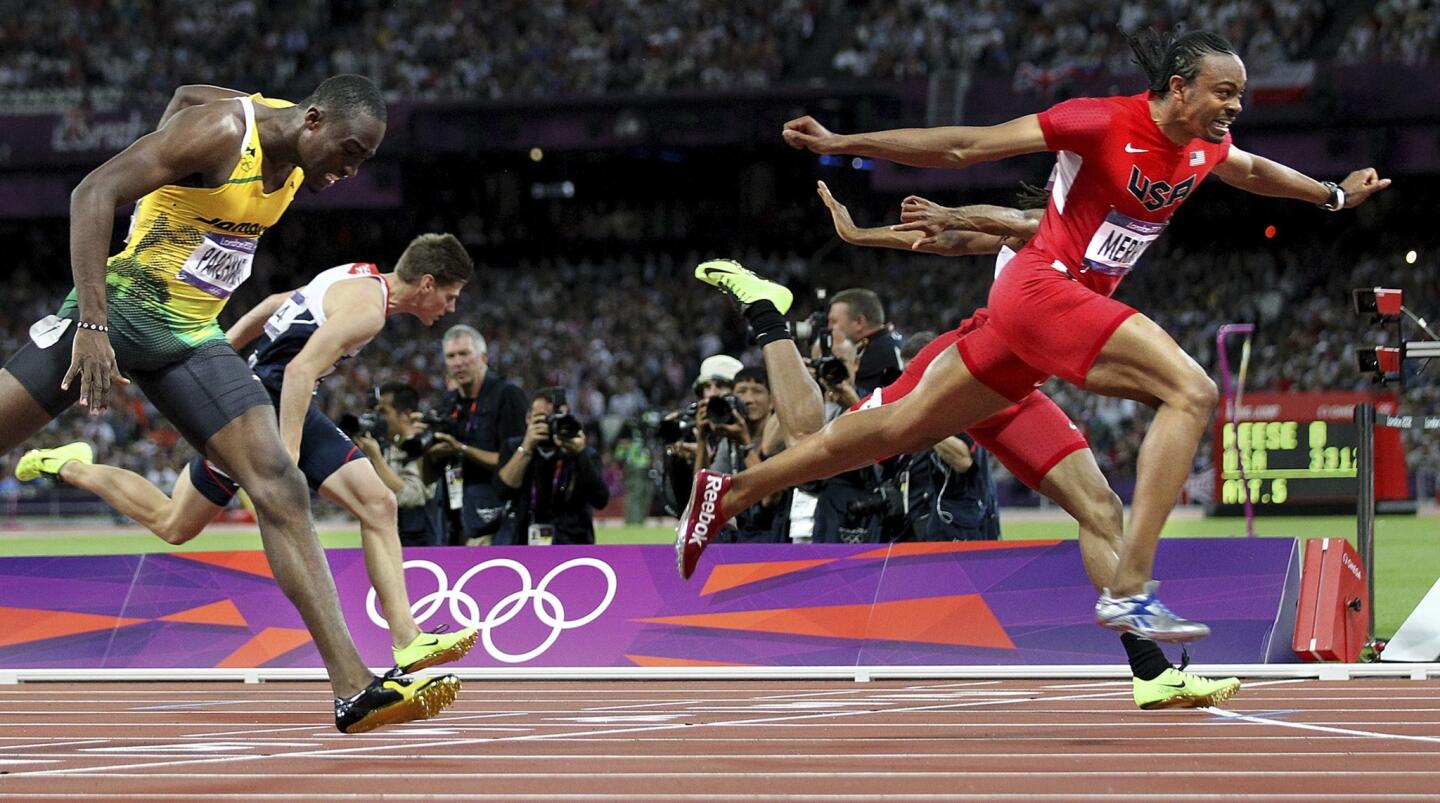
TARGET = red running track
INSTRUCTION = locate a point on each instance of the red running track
(727, 740)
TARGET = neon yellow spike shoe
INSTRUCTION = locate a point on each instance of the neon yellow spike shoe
(1176, 689)
(391, 700)
(743, 285)
(47, 462)
(435, 647)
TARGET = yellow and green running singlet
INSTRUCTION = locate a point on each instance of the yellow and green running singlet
(187, 251)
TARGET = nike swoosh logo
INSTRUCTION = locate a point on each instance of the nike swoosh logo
(1130, 149)
(712, 271)
(431, 643)
(1173, 685)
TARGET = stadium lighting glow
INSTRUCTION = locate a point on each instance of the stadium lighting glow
(1270, 232)
(1410, 257)
(536, 154)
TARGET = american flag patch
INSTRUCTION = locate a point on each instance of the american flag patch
(1197, 158)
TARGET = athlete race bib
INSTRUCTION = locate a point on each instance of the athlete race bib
(220, 264)
(1118, 244)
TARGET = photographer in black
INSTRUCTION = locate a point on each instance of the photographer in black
(859, 353)
(765, 523)
(551, 479)
(856, 315)
(399, 462)
(480, 414)
(948, 492)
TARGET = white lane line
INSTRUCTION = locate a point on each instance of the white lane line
(1324, 727)
(549, 797)
(1036, 773)
(791, 721)
(559, 723)
(858, 758)
(455, 743)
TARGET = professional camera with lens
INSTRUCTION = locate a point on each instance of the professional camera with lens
(887, 501)
(807, 330)
(725, 409)
(678, 427)
(563, 426)
(370, 424)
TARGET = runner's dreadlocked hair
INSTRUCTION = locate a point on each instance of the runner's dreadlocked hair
(1031, 196)
(1161, 55)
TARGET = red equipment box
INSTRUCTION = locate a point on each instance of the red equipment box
(1333, 614)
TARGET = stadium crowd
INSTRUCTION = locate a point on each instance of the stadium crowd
(113, 52)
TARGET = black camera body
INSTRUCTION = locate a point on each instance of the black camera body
(678, 427)
(725, 409)
(887, 500)
(562, 425)
(369, 424)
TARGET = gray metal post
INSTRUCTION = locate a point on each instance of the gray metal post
(1365, 501)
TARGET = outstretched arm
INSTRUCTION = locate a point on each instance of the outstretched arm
(946, 243)
(1267, 177)
(244, 331)
(194, 95)
(919, 214)
(950, 146)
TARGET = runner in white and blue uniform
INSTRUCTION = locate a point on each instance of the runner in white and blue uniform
(302, 336)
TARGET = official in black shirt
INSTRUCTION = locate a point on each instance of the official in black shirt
(483, 411)
(551, 479)
(856, 315)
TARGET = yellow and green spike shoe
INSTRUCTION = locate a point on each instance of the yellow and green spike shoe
(435, 647)
(743, 285)
(47, 462)
(1176, 689)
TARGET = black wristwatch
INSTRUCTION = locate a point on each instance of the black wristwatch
(1337, 197)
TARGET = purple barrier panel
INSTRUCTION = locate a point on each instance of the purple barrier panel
(759, 605)
(1034, 604)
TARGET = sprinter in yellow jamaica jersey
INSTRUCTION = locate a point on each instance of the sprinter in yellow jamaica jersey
(220, 169)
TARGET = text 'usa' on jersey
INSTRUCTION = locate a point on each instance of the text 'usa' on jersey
(1118, 181)
(290, 327)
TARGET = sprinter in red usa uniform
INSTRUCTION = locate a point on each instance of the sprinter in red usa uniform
(1127, 163)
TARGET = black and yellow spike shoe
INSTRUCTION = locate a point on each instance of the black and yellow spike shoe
(392, 700)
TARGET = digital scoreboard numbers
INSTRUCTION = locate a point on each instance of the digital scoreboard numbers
(1288, 463)
(1299, 451)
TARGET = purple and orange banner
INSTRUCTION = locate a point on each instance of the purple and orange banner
(965, 603)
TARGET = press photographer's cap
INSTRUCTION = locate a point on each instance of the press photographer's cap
(720, 366)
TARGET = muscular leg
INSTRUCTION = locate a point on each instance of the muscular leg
(1076, 484)
(947, 400)
(176, 518)
(250, 450)
(23, 416)
(357, 488)
(1140, 361)
(799, 404)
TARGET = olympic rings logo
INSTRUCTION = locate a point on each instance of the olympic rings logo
(466, 612)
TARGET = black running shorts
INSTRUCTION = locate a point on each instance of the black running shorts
(204, 389)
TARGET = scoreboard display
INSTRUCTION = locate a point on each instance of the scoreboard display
(1299, 453)
(1288, 462)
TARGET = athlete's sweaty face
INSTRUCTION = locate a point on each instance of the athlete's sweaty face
(333, 146)
(1211, 102)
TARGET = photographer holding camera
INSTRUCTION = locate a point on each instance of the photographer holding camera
(551, 479)
(948, 493)
(856, 315)
(473, 420)
(399, 462)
